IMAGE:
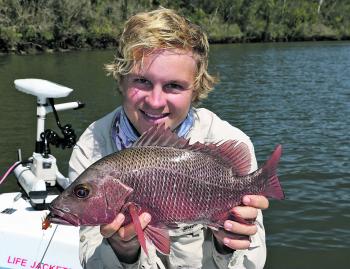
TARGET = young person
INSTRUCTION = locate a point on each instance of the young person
(161, 68)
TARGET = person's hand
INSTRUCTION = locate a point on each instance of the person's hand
(236, 235)
(123, 239)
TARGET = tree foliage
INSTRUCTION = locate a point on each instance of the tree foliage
(65, 24)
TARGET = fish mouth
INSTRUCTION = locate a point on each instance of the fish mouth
(59, 216)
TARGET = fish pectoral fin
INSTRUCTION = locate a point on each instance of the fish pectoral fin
(159, 237)
(138, 228)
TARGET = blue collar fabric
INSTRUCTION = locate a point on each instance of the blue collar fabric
(124, 134)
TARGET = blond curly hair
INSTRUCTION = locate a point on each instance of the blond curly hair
(162, 28)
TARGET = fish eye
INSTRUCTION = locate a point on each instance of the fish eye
(81, 191)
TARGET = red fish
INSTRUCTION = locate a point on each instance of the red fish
(172, 180)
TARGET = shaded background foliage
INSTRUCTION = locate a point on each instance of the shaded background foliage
(41, 25)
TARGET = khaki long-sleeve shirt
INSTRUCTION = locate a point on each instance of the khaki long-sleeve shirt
(191, 246)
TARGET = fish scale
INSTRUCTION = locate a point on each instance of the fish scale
(157, 176)
(172, 180)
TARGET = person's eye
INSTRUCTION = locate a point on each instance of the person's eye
(174, 87)
(142, 81)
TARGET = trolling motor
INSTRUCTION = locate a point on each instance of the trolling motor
(39, 173)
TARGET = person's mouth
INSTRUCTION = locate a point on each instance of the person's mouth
(154, 117)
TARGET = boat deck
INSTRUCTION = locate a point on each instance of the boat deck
(24, 243)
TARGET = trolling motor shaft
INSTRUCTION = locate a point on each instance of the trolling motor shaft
(51, 137)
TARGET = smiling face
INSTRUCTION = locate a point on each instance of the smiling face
(160, 89)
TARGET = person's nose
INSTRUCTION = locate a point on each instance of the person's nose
(156, 98)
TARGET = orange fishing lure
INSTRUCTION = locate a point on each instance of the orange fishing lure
(46, 223)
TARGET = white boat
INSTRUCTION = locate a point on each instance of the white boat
(23, 241)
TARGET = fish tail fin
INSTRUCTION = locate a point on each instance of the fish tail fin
(269, 171)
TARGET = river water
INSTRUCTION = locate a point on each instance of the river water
(295, 94)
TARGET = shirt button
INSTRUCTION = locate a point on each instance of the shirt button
(82, 238)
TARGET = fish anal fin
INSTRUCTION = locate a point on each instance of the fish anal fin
(159, 237)
(138, 228)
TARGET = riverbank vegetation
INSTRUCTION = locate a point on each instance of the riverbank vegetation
(48, 25)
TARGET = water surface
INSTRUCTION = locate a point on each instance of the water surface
(295, 94)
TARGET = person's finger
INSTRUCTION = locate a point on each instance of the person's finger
(236, 244)
(231, 240)
(238, 228)
(221, 234)
(127, 232)
(245, 212)
(257, 201)
(110, 229)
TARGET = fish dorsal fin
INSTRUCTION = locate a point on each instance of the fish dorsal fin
(160, 136)
(237, 154)
(233, 153)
